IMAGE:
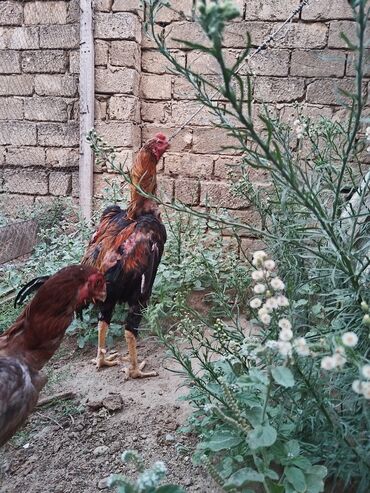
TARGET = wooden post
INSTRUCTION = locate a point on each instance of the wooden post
(87, 99)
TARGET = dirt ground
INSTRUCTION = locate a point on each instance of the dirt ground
(74, 446)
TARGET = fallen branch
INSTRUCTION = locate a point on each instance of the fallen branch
(63, 396)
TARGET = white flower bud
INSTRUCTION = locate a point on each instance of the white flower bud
(356, 386)
(301, 347)
(350, 339)
(265, 318)
(282, 300)
(269, 264)
(285, 348)
(286, 335)
(258, 275)
(255, 303)
(259, 288)
(284, 324)
(328, 363)
(277, 284)
(365, 370)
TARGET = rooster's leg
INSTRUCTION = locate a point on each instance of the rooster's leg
(102, 359)
(135, 369)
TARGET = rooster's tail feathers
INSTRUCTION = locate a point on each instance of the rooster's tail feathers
(29, 288)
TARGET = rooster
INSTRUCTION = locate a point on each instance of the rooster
(127, 247)
(35, 336)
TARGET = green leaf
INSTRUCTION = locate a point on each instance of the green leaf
(282, 376)
(258, 376)
(314, 484)
(243, 476)
(169, 488)
(222, 441)
(296, 477)
(292, 448)
(262, 436)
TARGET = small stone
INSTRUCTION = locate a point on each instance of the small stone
(113, 402)
(57, 447)
(188, 482)
(134, 439)
(169, 438)
(103, 483)
(101, 450)
(95, 405)
(115, 447)
(79, 427)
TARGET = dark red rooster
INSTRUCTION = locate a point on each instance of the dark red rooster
(127, 248)
(35, 336)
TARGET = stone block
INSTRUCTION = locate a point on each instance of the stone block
(337, 28)
(16, 85)
(306, 36)
(17, 133)
(289, 113)
(326, 91)
(351, 64)
(57, 36)
(104, 182)
(25, 156)
(326, 11)
(50, 61)
(156, 112)
(74, 62)
(318, 63)
(218, 194)
(124, 108)
(45, 109)
(275, 90)
(226, 166)
(14, 205)
(236, 33)
(119, 81)
(27, 182)
(155, 63)
(269, 62)
(60, 184)
(17, 239)
(125, 54)
(187, 191)
(101, 107)
(119, 134)
(58, 134)
(119, 25)
(45, 12)
(103, 5)
(212, 141)
(191, 165)
(165, 189)
(22, 38)
(250, 245)
(74, 11)
(62, 157)
(269, 10)
(9, 62)
(176, 32)
(155, 86)
(11, 13)
(56, 85)
(181, 111)
(180, 10)
(11, 109)
(101, 52)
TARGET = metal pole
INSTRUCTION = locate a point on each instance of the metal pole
(87, 100)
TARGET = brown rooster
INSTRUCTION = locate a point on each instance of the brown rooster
(127, 248)
(35, 336)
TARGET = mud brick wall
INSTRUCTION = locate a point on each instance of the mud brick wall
(137, 95)
(38, 101)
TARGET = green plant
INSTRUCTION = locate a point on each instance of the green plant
(148, 480)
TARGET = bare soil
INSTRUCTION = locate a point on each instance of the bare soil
(74, 446)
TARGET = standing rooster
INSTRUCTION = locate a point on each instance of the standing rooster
(127, 248)
(35, 336)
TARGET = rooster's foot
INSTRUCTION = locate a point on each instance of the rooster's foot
(137, 373)
(103, 360)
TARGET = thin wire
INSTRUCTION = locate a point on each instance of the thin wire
(264, 45)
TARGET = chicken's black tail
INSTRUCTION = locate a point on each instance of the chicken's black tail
(29, 288)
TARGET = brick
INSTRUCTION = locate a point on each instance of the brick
(155, 63)
(62, 157)
(14, 205)
(128, 6)
(58, 134)
(251, 245)
(147, 42)
(25, 156)
(165, 189)
(325, 11)
(182, 89)
(11, 109)
(22, 38)
(45, 12)
(124, 81)
(191, 165)
(124, 160)
(188, 31)
(17, 85)
(318, 63)
(119, 134)
(56, 36)
(124, 108)
(269, 10)
(60, 184)
(305, 36)
(120, 25)
(226, 165)
(74, 11)
(17, 133)
(181, 111)
(125, 54)
(326, 91)
(101, 109)
(218, 194)
(269, 62)
(104, 182)
(351, 64)
(274, 89)
(235, 35)
(155, 86)
(55, 85)
(156, 112)
(74, 62)
(27, 182)
(9, 62)
(212, 140)
(203, 63)
(11, 13)
(289, 113)
(348, 28)
(179, 10)
(187, 191)
(50, 61)
(101, 52)
(45, 109)
(103, 5)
